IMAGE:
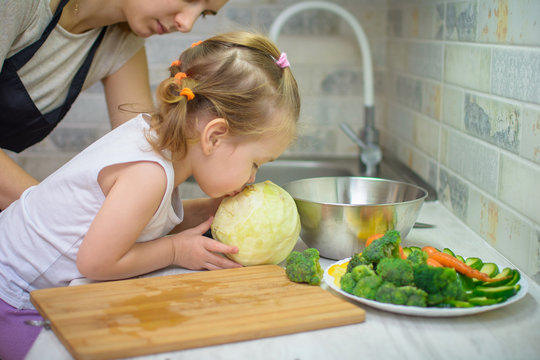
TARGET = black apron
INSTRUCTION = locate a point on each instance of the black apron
(21, 122)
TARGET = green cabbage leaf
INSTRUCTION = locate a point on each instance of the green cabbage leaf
(262, 221)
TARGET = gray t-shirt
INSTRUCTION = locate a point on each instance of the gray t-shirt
(48, 74)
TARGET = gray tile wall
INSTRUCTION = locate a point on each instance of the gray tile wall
(457, 95)
(473, 80)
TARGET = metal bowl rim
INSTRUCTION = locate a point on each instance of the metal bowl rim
(369, 179)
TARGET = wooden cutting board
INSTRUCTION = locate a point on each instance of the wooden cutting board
(158, 314)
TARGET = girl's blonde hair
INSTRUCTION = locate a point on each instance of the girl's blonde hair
(233, 76)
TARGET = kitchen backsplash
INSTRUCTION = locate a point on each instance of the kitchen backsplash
(463, 102)
(457, 99)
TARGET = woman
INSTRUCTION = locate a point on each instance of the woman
(52, 49)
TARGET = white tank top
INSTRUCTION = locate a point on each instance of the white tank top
(40, 233)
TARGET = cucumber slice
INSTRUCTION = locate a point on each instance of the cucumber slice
(495, 292)
(415, 248)
(503, 278)
(516, 276)
(407, 251)
(460, 304)
(483, 301)
(460, 258)
(490, 269)
(504, 273)
(474, 262)
(449, 252)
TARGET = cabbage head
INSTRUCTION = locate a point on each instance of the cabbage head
(262, 221)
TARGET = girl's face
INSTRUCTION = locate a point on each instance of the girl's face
(146, 18)
(233, 163)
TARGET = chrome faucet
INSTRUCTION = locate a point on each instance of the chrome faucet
(370, 153)
(368, 138)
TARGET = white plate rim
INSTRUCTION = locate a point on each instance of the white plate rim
(420, 311)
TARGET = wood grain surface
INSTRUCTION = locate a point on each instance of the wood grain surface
(150, 315)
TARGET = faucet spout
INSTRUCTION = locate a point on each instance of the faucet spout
(361, 37)
(370, 154)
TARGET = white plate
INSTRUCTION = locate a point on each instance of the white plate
(420, 311)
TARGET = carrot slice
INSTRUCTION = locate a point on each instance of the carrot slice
(433, 262)
(401, 253)
(373, 238)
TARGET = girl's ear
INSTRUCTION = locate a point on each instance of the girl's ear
(213, 134)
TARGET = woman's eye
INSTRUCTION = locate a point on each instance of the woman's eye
(206, 13)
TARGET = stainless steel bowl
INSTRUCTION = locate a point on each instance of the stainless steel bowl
(338, 214)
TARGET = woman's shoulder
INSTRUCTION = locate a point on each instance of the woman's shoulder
(120, 43)
(117, 48)
(23, 22)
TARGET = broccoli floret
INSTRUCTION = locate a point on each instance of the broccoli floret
(389, 293)
(347, 283)
(350, 278)
(356, 259)
(361, 281)
(361, 271)
(401, 295)
(417, 257)
(440, 283)
(384, 247)
(415, 296)
(452, 293)
(395, 270)
(304, 267)
(367, 286)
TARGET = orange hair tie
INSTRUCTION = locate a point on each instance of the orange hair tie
(178, 77)
(176, 63)
(196, 43)
(187, 93)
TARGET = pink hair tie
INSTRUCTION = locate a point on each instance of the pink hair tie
(282, 62)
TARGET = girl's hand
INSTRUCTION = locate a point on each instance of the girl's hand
(194, 251)
(196, 211)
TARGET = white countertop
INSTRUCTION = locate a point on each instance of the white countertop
(511, 332)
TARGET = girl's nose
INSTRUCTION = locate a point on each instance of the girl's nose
(251, 180)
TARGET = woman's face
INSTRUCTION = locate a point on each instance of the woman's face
(150, 17)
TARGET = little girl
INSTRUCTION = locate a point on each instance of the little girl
(114, 211)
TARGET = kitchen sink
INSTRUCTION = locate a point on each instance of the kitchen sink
(283, 171)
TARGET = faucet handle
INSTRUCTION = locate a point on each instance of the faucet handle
(371, 154)
(350, 133)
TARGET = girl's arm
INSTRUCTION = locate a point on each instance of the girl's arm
(197, 211)
(133, 193)
(128, 88)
